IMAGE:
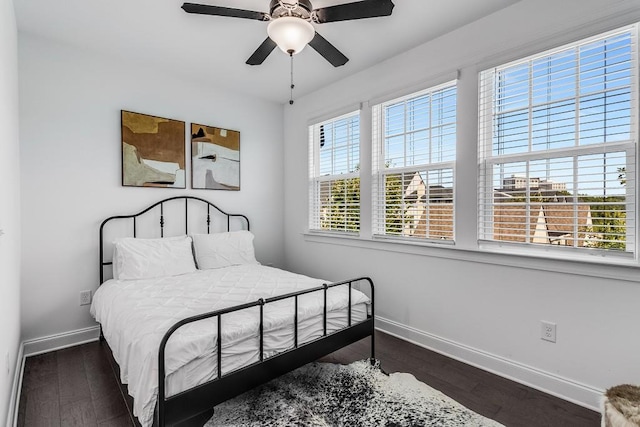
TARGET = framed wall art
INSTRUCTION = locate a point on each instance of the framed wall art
(215, 158)
(153, 151)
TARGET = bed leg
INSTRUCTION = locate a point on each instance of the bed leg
(101, 334)
(373, 348)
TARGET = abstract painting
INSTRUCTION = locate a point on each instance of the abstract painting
(215, 158)
(153, 151)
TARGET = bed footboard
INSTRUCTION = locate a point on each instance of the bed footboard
(201, 399)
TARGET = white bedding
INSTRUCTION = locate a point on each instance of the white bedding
(135, 314)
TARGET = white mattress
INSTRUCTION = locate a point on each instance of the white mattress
(135, 314)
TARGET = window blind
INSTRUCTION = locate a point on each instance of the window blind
(558, 136)
(413, 165)
(334, 174)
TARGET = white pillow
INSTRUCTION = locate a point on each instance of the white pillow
(148, 258)
(224, 249)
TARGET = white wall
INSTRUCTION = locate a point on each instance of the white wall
(482, 308)
(70, 102)
(9, 205)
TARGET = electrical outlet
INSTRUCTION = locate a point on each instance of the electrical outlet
(548, 331)
(85, 297)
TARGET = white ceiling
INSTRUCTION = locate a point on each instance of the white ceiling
(212, 48)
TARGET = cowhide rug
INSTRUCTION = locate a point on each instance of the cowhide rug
(359, 394)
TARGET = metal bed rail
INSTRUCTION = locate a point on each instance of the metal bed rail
(170, 410)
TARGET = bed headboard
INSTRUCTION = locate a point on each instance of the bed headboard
(169, 217)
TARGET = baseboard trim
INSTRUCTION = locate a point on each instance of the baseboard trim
(60, 341)
(564, 388)
(16, 388)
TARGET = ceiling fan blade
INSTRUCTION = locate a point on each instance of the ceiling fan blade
(262, 52)
(356, 10)
(328, 51)
(205, 9)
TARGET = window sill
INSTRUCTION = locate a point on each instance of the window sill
(618, 268)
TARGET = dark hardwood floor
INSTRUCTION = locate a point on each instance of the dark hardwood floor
(77, 387)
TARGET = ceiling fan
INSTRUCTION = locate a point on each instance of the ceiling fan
(290, 24)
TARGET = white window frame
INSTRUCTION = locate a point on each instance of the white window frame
(487, 161)
(380, 171)
(316, 179)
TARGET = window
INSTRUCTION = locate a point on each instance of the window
(334, 175)
(413, 165)
(558, 148)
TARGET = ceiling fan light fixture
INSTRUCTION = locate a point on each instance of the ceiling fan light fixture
(290, 33)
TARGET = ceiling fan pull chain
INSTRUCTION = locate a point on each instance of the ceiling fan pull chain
(292, 85)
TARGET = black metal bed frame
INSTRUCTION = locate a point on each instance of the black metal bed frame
(195, 406)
